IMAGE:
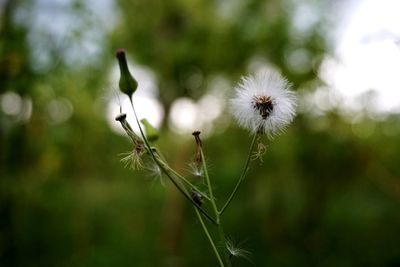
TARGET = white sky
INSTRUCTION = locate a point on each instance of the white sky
(368, 54)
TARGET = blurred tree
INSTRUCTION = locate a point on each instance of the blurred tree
(16, 75)
(185, 40)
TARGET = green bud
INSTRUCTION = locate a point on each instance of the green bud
(127, 84)
(151, 132)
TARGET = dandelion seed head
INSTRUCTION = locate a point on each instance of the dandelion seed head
(236, 250)
(264, 103)
(155, 172)
(196, 170)
(132, 159)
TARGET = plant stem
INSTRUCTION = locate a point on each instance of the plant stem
(185, 193)
(182, 190)
(242, 177)
(221, 263)
(210, 190)
(214, 205)
(223, 239)
(186, 181)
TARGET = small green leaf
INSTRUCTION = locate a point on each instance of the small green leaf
(151, 132)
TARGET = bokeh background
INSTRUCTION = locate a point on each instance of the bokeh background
(327, 193)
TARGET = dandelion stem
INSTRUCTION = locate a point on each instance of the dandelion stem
(177, 185)
(221, 263)
(242, 177)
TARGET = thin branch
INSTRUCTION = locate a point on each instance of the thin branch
(242, 177)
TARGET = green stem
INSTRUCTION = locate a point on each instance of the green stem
(242, 177)
(186, 181)
(223, 239)
(210, 190)
(214, 205)
(221, 263)
(182, 190)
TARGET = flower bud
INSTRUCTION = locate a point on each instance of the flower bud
(127, 84)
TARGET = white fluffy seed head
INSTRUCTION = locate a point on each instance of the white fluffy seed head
(264, 103)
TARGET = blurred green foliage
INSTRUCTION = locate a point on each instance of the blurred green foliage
(326, 194)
